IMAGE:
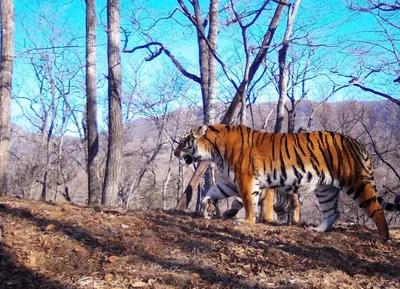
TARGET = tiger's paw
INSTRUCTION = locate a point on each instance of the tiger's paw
(318, 229)
(271, 223)
(292, 223)
(239, 222)
(268, 221)
(229, 214)
(209, 209)
(243, 222)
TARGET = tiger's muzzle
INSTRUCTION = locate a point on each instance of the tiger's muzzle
(188, 158)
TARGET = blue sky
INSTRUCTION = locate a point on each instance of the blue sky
(328, 23)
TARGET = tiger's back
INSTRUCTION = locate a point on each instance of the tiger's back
(280, 159)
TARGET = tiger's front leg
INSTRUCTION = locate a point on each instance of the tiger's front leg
(250, 193)
(267, 212)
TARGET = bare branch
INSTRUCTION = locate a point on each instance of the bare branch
(334, 90)
(377, 151)
(387, 7)
(387, 96)
(161, 48)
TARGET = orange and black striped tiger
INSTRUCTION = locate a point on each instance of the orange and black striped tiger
(324, 162)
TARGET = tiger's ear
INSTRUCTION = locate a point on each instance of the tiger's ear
(199, 132)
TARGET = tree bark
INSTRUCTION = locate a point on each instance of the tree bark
(209, 111)
(234, 107)
(280, 111)
(114, 152)
(94, 190)
(207, 45)
(283, 70)
(7, 61)
(180, 181)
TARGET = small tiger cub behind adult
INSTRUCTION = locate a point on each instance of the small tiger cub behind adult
(324, 162)
(286, 206)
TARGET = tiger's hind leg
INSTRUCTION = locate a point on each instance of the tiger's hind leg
(294, 214)
(236, 206)
(328, 198)
(365, 196)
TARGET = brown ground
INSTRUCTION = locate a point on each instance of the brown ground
(65, 246)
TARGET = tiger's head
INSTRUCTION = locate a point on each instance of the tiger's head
(209, 208)
(188, 148)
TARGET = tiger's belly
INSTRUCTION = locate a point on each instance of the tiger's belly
(289, 181)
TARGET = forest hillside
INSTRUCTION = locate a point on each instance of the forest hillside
(152, 177)
(60, 246)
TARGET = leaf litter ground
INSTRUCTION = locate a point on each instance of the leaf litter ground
(65, 246)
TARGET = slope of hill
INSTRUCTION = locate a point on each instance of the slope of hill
(66, 246)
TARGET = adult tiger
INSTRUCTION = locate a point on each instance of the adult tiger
(285, 205)
(324, 162)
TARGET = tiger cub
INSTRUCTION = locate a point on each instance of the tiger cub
(323, 162)
(286, 206)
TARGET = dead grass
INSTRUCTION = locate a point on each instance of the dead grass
(66, 246)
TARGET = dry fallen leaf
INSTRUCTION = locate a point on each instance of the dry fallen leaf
(223, 257)
(176, 251)
(50, 227)
(164, 249)
(195, 279)
(113, 259)
(139, 284)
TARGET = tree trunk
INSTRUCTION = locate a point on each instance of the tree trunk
(44, 187)
(60, 154)
(209, 112)
(7, 60)
(208, 68)
(280, 111)
(114, 152)
(180, 181)
(291, 120)
(234, 107)
(94, 190)
(283, 70)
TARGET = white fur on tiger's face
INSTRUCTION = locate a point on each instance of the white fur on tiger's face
(189, 150)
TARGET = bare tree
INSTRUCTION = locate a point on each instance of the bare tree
(6, 72)
(283, 70)
(299, 77)
(207, 32)
(114, 151)
(379, 56)
(149, 156)
(92, 135)
(324, 100)
(48, 110)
